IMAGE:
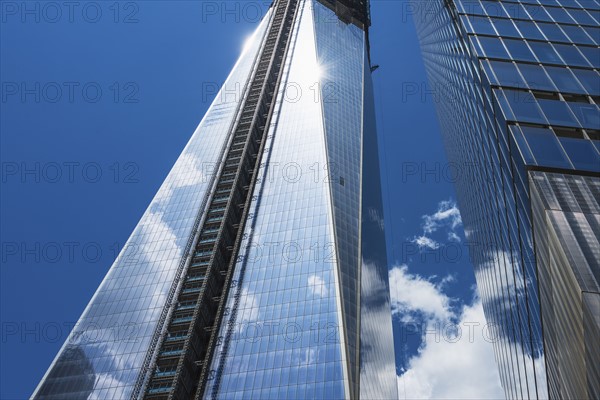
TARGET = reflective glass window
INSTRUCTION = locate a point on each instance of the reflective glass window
(492, 47)
(592, 54)
(564, 79)
(481, 25)
(579, 35)
(545, 147)
(519, 50)
(524, 106)
(506, 74)
(582, 153)
(536, 77)
(557, 112)
(545, 53)
(505, 27)
(589, 79)
(587, 114)
(571, 55)
(530, 30)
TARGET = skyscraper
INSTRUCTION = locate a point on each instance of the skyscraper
(517, 91)
(259, 269)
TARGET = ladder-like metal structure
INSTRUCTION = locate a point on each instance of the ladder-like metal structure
(184, 355)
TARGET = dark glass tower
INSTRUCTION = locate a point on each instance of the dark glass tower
(518, 89)
(259, 269)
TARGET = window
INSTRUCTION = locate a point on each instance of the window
(536, 78)
(507, 74)
(505, 27)
(492, 47)
(577, 34)
(557, 112)
(589, 79)
(524, 107)
(592, 54)
(571, 55)
(545, 53)
(553, 33)
(588, 114)
(481, 25)
(545, 147)
(582, 153)
(564, 79)
(530, 30)
(519, 50)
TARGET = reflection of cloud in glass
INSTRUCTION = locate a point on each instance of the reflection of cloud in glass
(376, 362)
(446, 215)
(317, 286)
(415, 294)
(461, 369)
(438, 369)
(73, 370)
(249, 307)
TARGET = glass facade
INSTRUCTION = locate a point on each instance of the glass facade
(111, 339)
(566, 213)
(307, 313)
(518, 89)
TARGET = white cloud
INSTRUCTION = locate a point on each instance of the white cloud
(446, 366)
(376, 217)
(377, 364)
(449, 367)
(412, 293)
(317, 286)
(186, 172)
(249, 306)
(447, 214)
(447, 217)
(453, 237)
(425, 242)
(511, 282)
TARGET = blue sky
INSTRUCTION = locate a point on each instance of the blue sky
(120, 92)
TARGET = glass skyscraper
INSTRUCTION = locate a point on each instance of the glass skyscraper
(259, 269)
(517, 89)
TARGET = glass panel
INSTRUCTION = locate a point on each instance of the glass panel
(557, 113)
(571, 55)
(507, 74)
(530, 30)
(588, 114)
(492, 47)
(582, 153)
(505, 27)
(536, 77)
(589, 79)
(592, 54)
(564, 80)
(545, 147)
(578, 34)
(519, 50)
(553, 32)
(545, 53)
(524, 107)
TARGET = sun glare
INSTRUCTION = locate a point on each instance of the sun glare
(247, 43)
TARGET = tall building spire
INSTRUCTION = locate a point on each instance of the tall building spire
(259, 269)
